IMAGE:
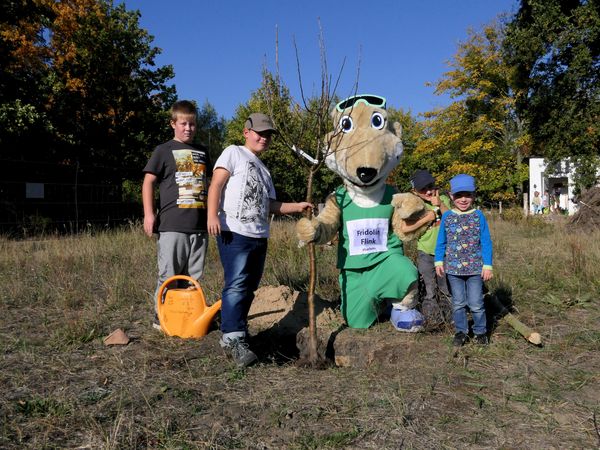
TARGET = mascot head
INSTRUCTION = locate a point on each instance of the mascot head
(362, 148)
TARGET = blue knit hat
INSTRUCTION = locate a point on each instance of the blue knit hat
(462, 183)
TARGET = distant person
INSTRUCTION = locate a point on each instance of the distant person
(240, 199)
(181, 171)
(545, 202)
(424, 186)
(536, 202)
(464, 253)
(556, 199)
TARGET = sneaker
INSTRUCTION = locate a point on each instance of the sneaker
(460, 339)
(238, 350)
(481, 339)
(156, 323)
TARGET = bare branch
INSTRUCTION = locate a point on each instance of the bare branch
(277, 55)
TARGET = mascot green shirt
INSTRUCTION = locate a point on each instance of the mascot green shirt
(371, 259)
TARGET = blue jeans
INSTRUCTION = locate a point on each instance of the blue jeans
(243, 260)
(467, 290)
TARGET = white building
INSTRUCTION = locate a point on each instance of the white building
(557, 181)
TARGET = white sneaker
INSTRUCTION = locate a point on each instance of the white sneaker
(156, 323)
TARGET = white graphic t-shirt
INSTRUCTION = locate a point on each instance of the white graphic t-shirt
(244, 207)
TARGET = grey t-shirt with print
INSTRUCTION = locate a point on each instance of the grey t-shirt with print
(182, 172)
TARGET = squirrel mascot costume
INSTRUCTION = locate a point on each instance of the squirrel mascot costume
(364, 212)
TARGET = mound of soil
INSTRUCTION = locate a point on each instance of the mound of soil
(587, 218)
(286, 310)
(278, 322)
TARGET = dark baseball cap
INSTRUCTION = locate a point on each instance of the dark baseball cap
(259, 122)
(421, 179)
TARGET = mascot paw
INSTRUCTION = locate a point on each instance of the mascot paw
(410, 300)
(305, 231)
(407, 205)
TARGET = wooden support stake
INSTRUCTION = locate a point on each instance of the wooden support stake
(529, 334)
(524, 330)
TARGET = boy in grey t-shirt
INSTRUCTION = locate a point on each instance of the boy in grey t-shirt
(181, 172)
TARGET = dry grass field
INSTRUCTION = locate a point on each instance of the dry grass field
(63, 388)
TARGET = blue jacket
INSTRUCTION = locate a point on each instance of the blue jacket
(464, 245)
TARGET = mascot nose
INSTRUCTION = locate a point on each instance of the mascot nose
(366, 174)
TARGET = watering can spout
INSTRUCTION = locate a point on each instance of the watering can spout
(202, 323)
(184, 312)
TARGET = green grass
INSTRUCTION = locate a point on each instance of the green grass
(43, 407)
(62, 388)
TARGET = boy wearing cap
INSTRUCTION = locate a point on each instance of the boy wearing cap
(181, 171)
(424, 186)
(464, 253)
(240, 198)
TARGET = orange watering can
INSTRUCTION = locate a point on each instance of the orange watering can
(184, 312)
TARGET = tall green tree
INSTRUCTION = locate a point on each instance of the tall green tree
(554, 46)
(412, 133)
(108, 99)
(24, 55)
(210, 130)
(480, 132)
(98, 93)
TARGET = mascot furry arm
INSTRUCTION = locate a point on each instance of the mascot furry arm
(322, 228)
(408, 208)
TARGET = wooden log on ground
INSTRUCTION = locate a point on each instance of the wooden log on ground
(532, 336)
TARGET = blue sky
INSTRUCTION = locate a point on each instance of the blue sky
(219, 47)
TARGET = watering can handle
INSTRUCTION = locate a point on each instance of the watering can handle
(182, 277)
(163, 287)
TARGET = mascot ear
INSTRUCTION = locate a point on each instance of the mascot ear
(398, 129)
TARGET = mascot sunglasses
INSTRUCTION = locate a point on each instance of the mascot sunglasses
(371, 100)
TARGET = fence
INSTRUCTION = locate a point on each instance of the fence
(39, 196)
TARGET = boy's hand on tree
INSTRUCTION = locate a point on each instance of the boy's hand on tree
(304, 206)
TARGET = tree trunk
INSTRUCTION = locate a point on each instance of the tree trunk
(312, 282)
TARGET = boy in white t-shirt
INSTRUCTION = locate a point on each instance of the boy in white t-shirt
(240, 198)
